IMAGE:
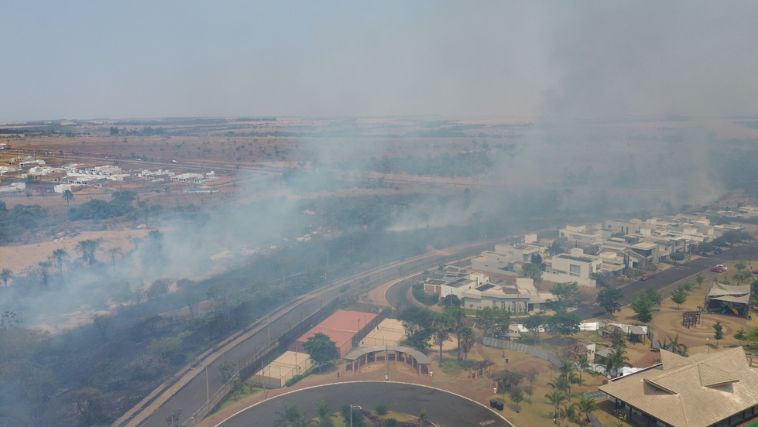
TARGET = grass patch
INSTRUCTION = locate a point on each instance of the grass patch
(242, 391)
(423, 297)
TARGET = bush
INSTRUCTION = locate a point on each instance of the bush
(423, 297)
(381, 410)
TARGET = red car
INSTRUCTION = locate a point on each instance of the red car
(720, 268)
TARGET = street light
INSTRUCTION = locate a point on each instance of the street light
(351, 413)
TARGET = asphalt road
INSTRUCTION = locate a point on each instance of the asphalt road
(440, 406)
(193, 395)
(664, 278)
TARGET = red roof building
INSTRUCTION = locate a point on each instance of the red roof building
(340, 327)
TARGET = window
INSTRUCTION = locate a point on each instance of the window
(574, 269)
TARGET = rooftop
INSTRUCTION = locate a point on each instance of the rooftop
(700, 390)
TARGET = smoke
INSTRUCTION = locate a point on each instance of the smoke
(625, 59)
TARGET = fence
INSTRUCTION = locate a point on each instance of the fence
(257, 361)
(522, 348)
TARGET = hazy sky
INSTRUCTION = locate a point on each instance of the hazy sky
(86, 59)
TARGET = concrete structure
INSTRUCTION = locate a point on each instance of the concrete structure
(593, 234)
(388, 332)
(340, 327)
(575, 266)
(520, 297)
(706, 389)
(277, 373)
(365, 355)
(728, 299)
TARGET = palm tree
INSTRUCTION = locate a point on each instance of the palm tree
(586, 405)
(324, 414)
(441, 330)
(290, 416)
(68, 196)
(44, 266)
(58, 255)
(467, 340)
(556, 397)
(457, 321)
(5, 276)
(584, 364)
(88, 248)
(616, 360)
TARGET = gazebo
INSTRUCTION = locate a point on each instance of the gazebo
(408, 355)
(728, 299)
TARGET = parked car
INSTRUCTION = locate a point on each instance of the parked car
(497, 404)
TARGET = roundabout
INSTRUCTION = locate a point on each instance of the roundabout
(442, 407)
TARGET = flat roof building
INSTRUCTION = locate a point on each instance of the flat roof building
(277, 373)
(388, 332)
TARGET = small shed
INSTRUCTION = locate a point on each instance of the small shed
(728, 299)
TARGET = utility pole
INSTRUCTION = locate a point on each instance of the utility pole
(351, 413)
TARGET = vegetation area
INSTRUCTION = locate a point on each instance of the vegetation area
(381, 416)
(19, 221)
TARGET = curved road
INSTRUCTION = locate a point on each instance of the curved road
(441, 407)
(186, 398)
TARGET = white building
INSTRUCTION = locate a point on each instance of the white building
(575, 266)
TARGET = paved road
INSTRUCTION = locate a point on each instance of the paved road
(193, 395)
(441, 407)
(678, 272)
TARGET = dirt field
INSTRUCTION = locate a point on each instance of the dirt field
(21, 258)
(668, 321)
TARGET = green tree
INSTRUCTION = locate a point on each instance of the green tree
(5, 276)
(642, 305)
(754, 293)
(467, 340)
(322, 349)
(457, 323)
(740, 334)
(608, 299)
(533, 271)
(517, 396)
(699, 278)
(566, 294)
(586, 406)
(652, 296)
(68, 196)
(563, 323)
(718, 332)
(679, 296)
(740, 265)
(423, 418)
(742, 276)
(558, 246)
(289, 416)
(58, 256)
(556, 398)
(441, 324)
(44, 271)
(616, 360)
(324, 414)
(87, 249)
(533, 324)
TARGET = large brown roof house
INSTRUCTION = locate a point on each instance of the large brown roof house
(707, 389)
